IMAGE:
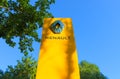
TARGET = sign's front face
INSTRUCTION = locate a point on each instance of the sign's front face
(58, 56)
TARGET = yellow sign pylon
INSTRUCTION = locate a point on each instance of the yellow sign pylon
(58, 57)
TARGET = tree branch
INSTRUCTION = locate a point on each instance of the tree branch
(4, 7)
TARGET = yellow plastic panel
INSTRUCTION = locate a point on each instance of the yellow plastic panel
(58, 56)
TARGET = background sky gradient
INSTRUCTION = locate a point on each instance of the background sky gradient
(96, 26)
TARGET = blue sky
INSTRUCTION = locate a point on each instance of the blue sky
(97, 32)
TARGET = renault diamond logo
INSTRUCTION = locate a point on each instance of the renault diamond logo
(57, 27)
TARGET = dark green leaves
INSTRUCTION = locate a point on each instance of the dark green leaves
(20, 19)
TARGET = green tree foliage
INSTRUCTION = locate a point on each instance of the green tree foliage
(1, 74)
(25, 69)
(90, 71)
(19, 18)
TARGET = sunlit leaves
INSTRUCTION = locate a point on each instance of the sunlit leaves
(25, 69)
(90, 71)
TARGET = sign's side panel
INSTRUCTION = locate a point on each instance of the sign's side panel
(58, 56)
